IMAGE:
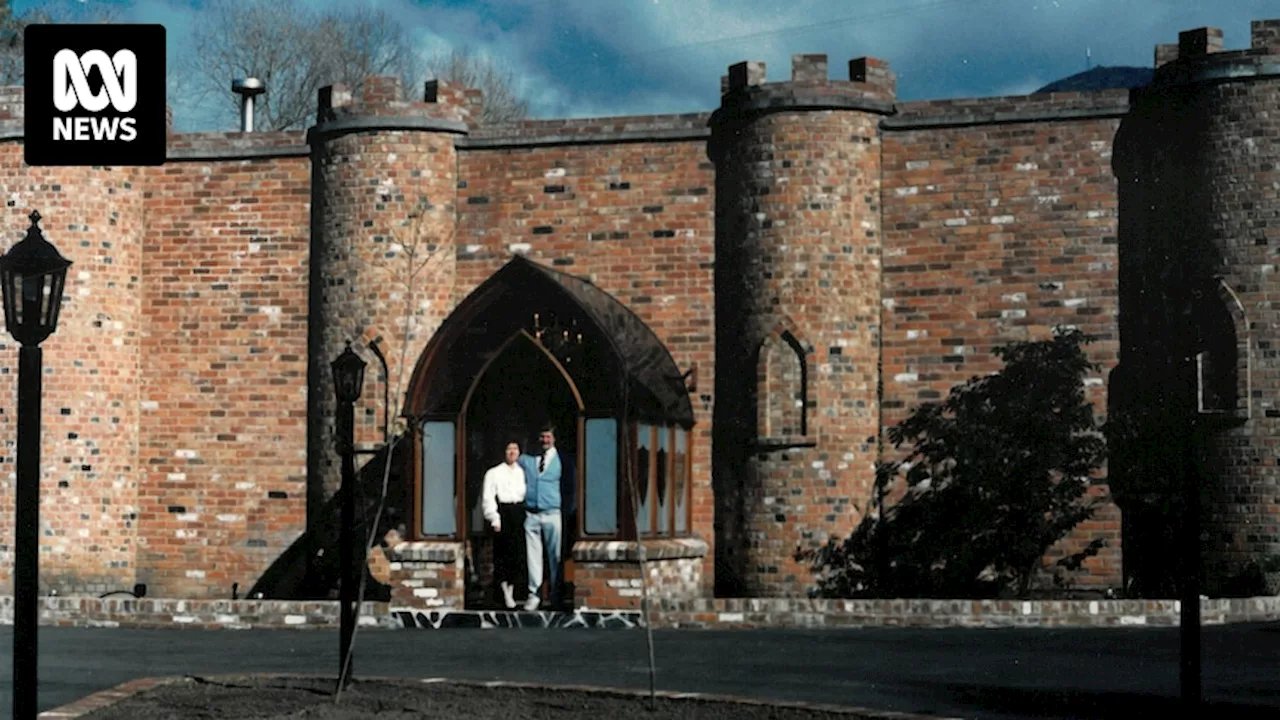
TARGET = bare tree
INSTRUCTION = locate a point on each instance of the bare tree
(12, 26)
(295, 50)
(502, 102)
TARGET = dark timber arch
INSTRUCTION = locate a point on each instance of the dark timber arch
(607, 346)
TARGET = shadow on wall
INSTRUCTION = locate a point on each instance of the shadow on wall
(1182, 382)
(293, 577)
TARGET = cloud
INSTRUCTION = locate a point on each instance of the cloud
(578, 58)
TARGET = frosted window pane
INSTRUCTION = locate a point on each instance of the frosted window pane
(439, 484)
(602, 477)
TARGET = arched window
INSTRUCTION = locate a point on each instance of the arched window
(782, 388)
(1223, 355)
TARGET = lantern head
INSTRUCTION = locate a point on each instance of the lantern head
(32, 275)
(348, 376)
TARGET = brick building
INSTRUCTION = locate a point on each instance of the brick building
(739, 301)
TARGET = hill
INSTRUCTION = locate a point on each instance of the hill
(1101, 78)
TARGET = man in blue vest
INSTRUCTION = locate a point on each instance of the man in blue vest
(549, 490)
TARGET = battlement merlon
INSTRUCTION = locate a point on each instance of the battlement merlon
(1191, 43)
(1264, 35)
(383, 96)
(1199, 42)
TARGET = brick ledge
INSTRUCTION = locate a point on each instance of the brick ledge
(629, 551)
(425, 551)
(723, 613)
(84, 611)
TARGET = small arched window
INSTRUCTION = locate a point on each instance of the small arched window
(1223, 355)
(782, 389)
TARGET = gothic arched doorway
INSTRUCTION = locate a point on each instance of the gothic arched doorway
(522, 389)
(531, 336)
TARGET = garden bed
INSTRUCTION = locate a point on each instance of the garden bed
(295, 698)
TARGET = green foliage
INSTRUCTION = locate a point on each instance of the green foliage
(996, 474)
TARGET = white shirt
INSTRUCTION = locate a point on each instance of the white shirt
(547, 457)
(502, 483)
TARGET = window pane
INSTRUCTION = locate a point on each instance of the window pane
(681, 478)
(602, 477)
(664, 494)
(439, 484)
(644, 449)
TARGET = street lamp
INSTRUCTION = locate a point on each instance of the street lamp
(32, 275)
(348, 381)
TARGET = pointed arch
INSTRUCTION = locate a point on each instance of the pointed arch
(783, 393)
(516, 337)
(1224, 358)
(619, 346)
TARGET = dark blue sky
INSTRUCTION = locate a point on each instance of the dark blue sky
(580, 58)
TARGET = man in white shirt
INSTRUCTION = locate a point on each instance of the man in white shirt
(502, 500)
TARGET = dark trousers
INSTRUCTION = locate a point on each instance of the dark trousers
(508, 546)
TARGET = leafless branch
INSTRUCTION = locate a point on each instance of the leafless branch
(502, 102)
(296, 51)
(49, 12)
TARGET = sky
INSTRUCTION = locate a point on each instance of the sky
(589, 58)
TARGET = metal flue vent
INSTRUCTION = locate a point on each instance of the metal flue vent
(247, 89)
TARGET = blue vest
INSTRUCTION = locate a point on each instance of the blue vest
(542, 490)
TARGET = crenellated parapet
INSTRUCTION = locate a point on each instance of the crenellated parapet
(1199, 56)
(455, 107)
(746, 83)
(746, 92)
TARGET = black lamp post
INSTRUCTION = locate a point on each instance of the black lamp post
(32, 275)
(348, 381)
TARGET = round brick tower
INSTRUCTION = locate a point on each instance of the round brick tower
(797, 314)
(1199, 164)
(382, 247)
(89, 443)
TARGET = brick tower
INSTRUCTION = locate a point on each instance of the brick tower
(798, 282)
(1199, 165)
(384, 179)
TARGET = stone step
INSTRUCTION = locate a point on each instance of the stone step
(415, 619)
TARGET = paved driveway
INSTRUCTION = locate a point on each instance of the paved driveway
(1007, 673)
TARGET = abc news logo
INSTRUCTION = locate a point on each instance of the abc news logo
(95, 95)
(71, 91)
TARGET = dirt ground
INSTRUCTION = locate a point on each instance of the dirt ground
(313, 699)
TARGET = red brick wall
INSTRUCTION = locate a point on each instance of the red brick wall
(995, 234)
(223, 419)
(175, 448)
(618, 585)
(636, 219)
(89, 450)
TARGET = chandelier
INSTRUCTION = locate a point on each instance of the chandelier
(563, 341)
